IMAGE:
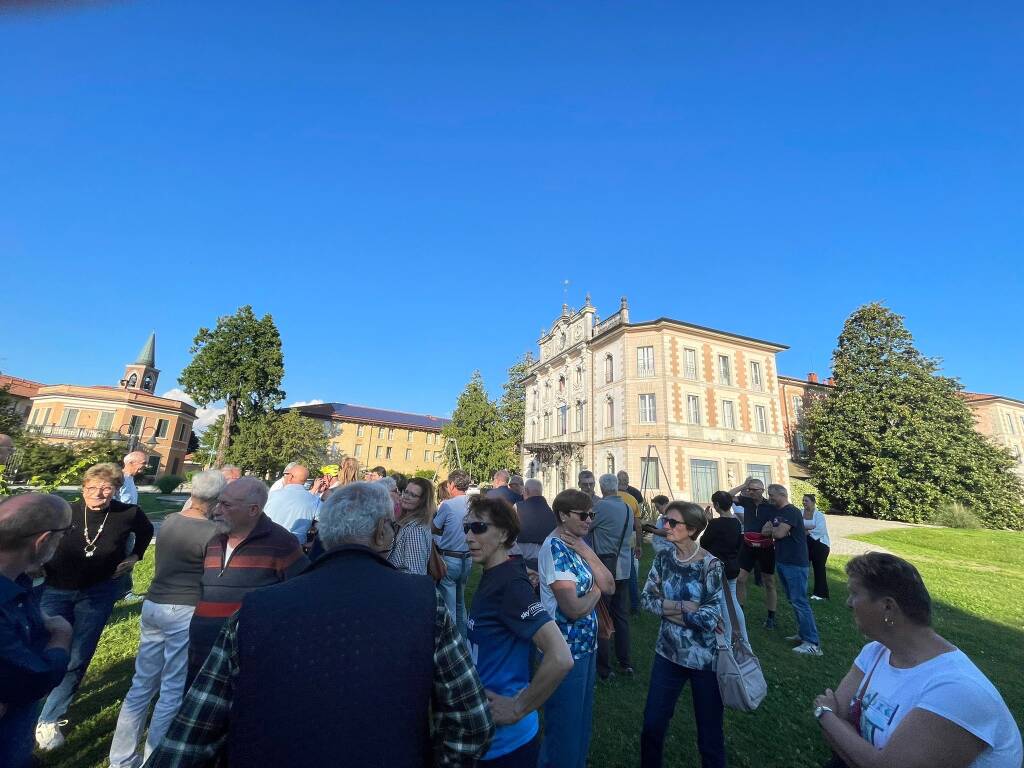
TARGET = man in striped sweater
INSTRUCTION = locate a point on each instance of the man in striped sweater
(249, 552)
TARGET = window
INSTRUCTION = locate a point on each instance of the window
(798, 407)
(609, 372)
(408, 435)
(536, 399)
(391, 434)
(153, 465)
(437, 456)
(408, 454)
(690, 363)
(359, 449)
(35, 416)
(648, 411)
(380, 433)
(360, 430)
(379, 452)
(1006, 417)
(561, 385)
(547, 391)
(728, 415)
(756, 382)
(801, 446)
(547, 424)
(609, 413)
(387, 453)
(563, 419)
(760, 419)
(703, 480)
(181, 429)
(610, 465)
(107, 418)
(161, 427)
(579, 417)
(693, 409)
(1022, 422)
(136, 424)
(649, 479)
(70, 417)
(426, 455)
(724, 370)
(579, 375)
(133, 380)
(762, 472)
(645, 361)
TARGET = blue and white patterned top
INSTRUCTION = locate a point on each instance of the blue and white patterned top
(693, 645)
(556, 561)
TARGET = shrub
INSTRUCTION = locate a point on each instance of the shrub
(800, 487)
(168, 483)
(955, 515)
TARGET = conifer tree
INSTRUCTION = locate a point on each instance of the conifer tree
(476, 426)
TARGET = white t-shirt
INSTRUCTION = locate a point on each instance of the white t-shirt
(820, 529)
(949, 686)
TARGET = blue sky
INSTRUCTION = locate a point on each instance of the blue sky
(406, 185)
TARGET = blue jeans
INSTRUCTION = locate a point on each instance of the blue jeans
(667, 681)
(794, 582)
(568, 718)
(87, 610)
(634, 588)
(453, 589)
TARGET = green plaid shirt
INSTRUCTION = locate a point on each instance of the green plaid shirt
(462, 723)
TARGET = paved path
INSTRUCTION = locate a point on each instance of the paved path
(840, 527)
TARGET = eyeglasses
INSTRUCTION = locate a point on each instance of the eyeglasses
(99, 488)
(413, 496)
(671, 522)
(583, 516)
(476, 527)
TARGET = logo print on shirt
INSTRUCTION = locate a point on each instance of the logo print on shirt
(534, 610)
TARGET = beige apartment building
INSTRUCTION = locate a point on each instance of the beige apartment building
(686, 410)
(1001, 419)
(399, 441)
(129, 413)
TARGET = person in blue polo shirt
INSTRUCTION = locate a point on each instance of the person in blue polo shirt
(504, 620)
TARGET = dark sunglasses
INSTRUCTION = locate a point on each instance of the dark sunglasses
(476, 527)
(671, 522)
(583, 516)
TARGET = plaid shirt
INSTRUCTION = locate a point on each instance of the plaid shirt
(462, 722)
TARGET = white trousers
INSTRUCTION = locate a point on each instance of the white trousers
(160, 666)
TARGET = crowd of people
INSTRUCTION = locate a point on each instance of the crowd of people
(293, 624)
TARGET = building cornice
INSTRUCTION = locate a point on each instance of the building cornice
(115, 397)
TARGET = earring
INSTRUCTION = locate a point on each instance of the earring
(887, 620)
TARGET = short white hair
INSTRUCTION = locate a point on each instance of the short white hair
(533, 487)
(352, 512)
(128, 456)
(255, 489)
(609, 484)
(779, 489)
(207, 485)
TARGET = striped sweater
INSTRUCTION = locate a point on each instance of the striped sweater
(268, 555)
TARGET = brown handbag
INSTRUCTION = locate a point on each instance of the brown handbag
(437, 568)
(605, 628)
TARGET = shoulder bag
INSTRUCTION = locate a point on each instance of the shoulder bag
(740, 679)
(857, 702)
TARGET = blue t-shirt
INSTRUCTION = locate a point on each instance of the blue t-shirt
(449, 519)
(791, 550)
(503, 619)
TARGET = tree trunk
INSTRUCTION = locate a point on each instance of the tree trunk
(225, 432)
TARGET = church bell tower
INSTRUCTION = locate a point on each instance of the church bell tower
(141, 375)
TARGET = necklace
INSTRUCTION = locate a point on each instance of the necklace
(90, 544)
(693, 554)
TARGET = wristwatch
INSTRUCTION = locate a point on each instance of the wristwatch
(821, 710)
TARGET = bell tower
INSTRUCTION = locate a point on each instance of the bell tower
(141, 375)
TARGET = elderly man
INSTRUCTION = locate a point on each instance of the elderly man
(756, 512)
(278, 686)
(231, 472)
(133, 463)
(249, 551)
(293, 507)
(791, 563)
(502, 487)
(280, 482)
(613, 522)
(450, 539)
(536, 521)
(34, 648)
(633, 500)
(162, 659)
(586, 482)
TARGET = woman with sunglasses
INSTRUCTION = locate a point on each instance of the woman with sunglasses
(572, 580)
(505, 621)
(684, 587)
(83, 581)
(411, 552)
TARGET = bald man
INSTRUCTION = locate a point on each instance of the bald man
(293, 507)
(35, 647)
(133, 463)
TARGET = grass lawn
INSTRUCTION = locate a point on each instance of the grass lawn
(976, 579)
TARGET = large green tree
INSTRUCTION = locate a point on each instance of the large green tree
(267, 442)
(895, 440)
(512, 410)
(240, 362)
(476, 427)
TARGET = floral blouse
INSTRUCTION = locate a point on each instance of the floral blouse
(692, 645)
(556, 561)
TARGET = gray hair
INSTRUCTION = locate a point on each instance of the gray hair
(533, 487)
(779, 489)
(255, 489)
(30, 514)
(207, 485)
(389, 483)
(128, 456)
(352, 512)
(231, 468)
(501, 474)
(609, 485)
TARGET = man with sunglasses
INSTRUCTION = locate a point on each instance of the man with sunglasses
(35, 647)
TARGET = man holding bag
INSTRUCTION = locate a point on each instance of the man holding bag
(610, 530)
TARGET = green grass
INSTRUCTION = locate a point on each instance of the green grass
(976, 579)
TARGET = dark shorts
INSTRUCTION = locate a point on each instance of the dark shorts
(765, 557)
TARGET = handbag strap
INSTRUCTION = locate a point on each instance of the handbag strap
(625, 528)
(731, 607)
(863, 687)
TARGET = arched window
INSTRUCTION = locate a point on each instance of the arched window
(609, 372)
(561, 385)
(147, 383)
(132, 380)
(609, 418)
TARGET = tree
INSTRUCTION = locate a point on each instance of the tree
(512, 410)
(205, 453)
(267, 442)
(895, 440)
(239, 362)
(10, 421)
(475, 425)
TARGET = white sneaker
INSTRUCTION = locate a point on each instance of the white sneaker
(815, 597)
(808, 649)
(131, 598)
(48, 735)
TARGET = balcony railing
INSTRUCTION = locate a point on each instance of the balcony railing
(73, 433)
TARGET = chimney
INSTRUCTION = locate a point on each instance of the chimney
(830, 381)
(624, 310)
(812, 378)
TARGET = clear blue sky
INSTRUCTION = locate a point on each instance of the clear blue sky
(405, 185)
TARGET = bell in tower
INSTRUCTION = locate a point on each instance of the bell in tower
(142, 374)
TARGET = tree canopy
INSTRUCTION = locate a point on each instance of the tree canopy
(894, 439)
(265, 443)
(512, 410)
(476, 426)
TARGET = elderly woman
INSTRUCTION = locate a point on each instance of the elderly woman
(411, 552)
(911, 698)
(505, 620)
(572, 579)
(82, 581)
(162, 660)
(684, 587)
